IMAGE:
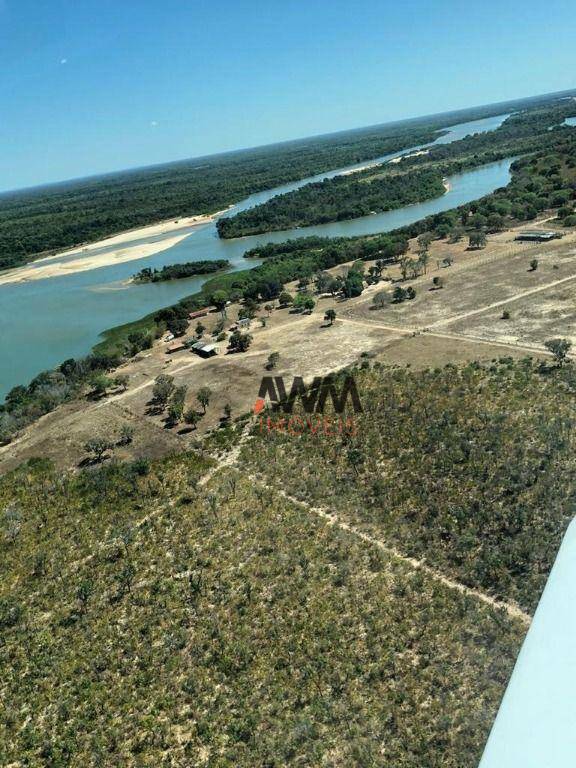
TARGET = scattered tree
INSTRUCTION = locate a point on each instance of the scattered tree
(178, 326)
(192, 417)
(405, 264)
(273, 360)
(163, 388)
(176, 406)
(239, 342)
(559, 348)
(477, 240)
(126, 578)
(97, 447)
(353, 284)
(330, 316)
(126, 434)
(220, 299)
(322, 282)
(303, 283)
(398, 294)
(203, 396)
(533, 265)
(137, 341)
(424, 242)
(456, 234)
(380, 299)
(100, 384)
(84, 593)
(304, 302)
(422, 263)
(355, 458)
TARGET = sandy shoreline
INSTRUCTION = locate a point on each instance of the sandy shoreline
(53, 266)
(361, 168)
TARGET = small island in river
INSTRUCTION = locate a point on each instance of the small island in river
(179, 271)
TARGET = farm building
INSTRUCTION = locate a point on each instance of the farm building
(204, 349)
(176, 346)
(198, 313)
(538, 235)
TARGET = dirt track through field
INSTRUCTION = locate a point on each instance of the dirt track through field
(513, 611)
(447, 335)
(501, 303)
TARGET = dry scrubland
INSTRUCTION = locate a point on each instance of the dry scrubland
(342, 601)
(271, 600)
(149, 620)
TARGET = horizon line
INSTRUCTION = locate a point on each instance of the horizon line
(282, 142)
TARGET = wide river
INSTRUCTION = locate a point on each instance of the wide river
(43, 322)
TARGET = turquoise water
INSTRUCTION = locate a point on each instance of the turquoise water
(570, 121)
(44, 322)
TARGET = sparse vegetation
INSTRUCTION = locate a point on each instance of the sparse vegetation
(163, 388)
(273, 360)
(559, 348)
(204, 395)
(477, 240)
(154, 595)
(458, 464)
(239, 342)
(330, 316)
(437, 282)
(97, 447)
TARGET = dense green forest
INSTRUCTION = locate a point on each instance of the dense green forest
(60, 216)
(51, 218)
(343, 197)
(381, 188)
(179, 271)
(541, 181)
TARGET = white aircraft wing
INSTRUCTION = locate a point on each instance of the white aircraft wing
(536, 723)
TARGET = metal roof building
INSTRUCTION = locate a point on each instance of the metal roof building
(538, 235)
(204, 348)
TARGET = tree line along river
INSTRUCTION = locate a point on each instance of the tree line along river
(43, 322)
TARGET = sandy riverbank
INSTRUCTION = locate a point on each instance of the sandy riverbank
(61, 264)
(412, 154)
(361, 168)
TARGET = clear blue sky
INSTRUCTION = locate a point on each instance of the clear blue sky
(88, 86)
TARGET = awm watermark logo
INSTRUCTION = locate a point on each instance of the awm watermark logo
(341, 391)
